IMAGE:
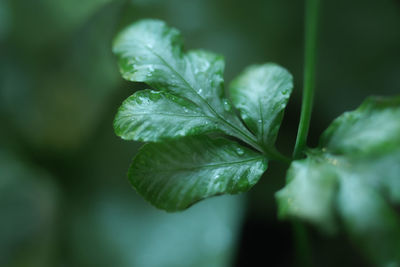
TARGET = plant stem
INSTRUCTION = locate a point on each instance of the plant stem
(311, 21)
(302, 245)
(303, 249)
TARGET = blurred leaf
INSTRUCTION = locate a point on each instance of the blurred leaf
(356, 175)
(127, 232)
(52, 101)
(307, 181)
(57, 19)
(28, 204)
(373, 127)
(371, 222)
(261, 93)
(152, 116)
(175, 175)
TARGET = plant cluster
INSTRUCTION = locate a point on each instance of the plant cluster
(201, 143)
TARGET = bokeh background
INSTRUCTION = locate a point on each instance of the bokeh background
(64, 196)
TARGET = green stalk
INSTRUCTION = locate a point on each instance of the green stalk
(303, 249)
(302, 245)
(311, 22)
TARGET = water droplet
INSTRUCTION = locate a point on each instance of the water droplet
(200, 91)
(151, 68)
(227, 105)
(259, 121)
(239, 151)
(150, 45)
(185, 110)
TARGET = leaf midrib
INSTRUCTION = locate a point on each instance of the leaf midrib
(230, 163)
(166, 114)
(210, 108)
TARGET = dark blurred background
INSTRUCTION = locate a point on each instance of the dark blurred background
(64, 195)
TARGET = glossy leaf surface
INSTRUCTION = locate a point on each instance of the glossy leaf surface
(153, 116)
(149, 51)
(261, 93)
(174, 175)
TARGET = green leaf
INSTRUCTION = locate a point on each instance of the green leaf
(371, 222)
(153, 116)
(383, 173)
(149, 51)
(130, 233)
(29, 205)
(355, 175)
(325, 185)
(307, 181)
(174, 175)
(373, 127)
(261, 93)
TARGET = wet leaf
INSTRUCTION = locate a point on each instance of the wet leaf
(149, 51)
(174, 175)
(153, 116)
(261, 93)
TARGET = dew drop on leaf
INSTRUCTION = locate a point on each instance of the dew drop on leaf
(227, 105)
(239, 151)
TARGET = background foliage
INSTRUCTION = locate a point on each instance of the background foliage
(64, 195)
